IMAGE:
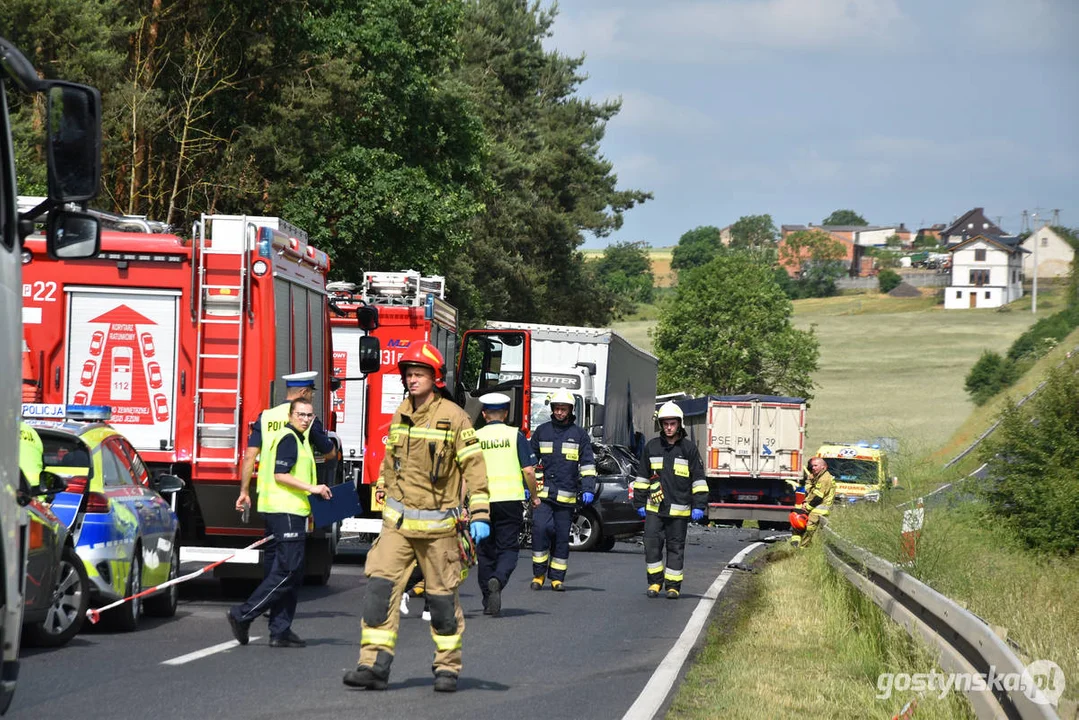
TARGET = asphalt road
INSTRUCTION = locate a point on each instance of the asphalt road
(585, 653)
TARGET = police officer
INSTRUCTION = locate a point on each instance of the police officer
(269, 422)
(508, 457)
(569, 467)
(819, 496)
(670, 490)
(31, 454)
(286, 477)
(432, 453)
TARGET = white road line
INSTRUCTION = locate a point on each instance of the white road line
(659, 685)
(205, 652)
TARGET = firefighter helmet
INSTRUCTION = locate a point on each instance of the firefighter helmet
(426, 354)
(561, 397)
(669, 410)
(798, 520)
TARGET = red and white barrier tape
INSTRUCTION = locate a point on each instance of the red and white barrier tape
(94, 615)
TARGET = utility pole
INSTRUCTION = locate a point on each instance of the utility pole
(1034, 236)
(1056, 218)
(1023, 229)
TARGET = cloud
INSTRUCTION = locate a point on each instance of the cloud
(1027, 26)
(728, 30)
(650, 113)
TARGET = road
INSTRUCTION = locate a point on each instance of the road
(586, 652)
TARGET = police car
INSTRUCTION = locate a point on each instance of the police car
(124, 531)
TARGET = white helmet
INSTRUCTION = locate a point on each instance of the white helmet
(669, 410)
(561, 397)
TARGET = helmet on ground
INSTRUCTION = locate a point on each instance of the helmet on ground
(426, 354)
(669, 410)
(561, 397)
(798, 520)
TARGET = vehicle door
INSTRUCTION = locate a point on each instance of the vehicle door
(129, 506)
(159, 527)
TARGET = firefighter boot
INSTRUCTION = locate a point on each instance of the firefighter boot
(445, 681)
(537, 582)
(371, 678)
(494, 597)
(672, 594)
(653, 591)
(557, 586)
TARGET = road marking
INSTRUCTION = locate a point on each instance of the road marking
(654, 694)
(205, 652)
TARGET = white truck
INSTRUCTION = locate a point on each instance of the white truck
(753, 450)
(613, 380)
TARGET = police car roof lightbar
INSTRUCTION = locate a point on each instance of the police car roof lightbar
(56, 411)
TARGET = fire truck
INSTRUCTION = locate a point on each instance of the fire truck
(186, 341)
(409, 308)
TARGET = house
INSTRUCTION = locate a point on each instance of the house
(852, 257)
(968, 225)
(725, 236)
(1054, 250)
(933, 231)
(987, 272)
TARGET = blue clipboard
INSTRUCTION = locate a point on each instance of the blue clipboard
(345, 503)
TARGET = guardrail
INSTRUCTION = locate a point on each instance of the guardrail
(966, 642)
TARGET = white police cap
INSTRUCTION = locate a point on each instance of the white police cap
(301, 379)
(495, 401)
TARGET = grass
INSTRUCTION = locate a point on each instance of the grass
(661, 264)
(804, 644)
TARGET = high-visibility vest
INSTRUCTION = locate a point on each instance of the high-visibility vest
(275, 497)
(31, 453)
(499, 444)
(272, 422)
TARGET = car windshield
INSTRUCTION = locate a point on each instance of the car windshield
(854, 471)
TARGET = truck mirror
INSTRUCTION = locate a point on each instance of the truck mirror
(370, 355)
(72, 235)
(73, 141)
(367, 319)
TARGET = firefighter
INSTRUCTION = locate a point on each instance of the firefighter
(31, 454)
(669, 492)
(819, 495)
(269, 422)
(569, 467)
(286, 477)
(432, 453)
(508, 457)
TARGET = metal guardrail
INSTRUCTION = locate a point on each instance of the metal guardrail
(966, 643)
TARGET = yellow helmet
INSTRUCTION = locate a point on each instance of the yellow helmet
(561, 397)
(669, 410)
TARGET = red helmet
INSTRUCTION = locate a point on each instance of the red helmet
(426, 354)
(798, 520)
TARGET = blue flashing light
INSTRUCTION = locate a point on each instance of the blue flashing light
(875, 446)
(863, 443)
(429, 307)
(265, 242)
(89, 413)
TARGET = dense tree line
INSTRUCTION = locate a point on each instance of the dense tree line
(400, 133)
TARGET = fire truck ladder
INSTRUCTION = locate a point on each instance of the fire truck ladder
(220, 300)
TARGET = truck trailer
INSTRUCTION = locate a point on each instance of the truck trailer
(753, 449)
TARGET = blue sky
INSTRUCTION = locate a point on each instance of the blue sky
(908, 111)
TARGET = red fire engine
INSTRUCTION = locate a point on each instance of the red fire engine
(410, 308)
(187, 341)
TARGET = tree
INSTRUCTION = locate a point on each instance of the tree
(888, 280)
(925, 242)
(820, 260)
(893, 242)
(728, 330)
(696, 247)
(844, 217)
(625, 269)
(753, 231)
(989, 375)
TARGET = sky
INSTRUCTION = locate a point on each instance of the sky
(910, 111)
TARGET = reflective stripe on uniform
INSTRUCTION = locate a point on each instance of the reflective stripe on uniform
(654, 567)
(649, 507)
(540, 557)
(546, 448)
(468, 451)
(588, 470)
(559, 563)
(656, 463)
(700, 486)
(672, 575)
(641, 484)
(681, 467)
(679, 510)
(565, 496)
(446, 643)
(385, 638)
(544, 492)
(412, 519)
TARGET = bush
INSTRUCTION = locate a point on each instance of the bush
(1056, 327)
(990, 375)
(1033, 461)
(889, 280)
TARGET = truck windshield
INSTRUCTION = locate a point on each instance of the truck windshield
(854, 471)
(541, 411)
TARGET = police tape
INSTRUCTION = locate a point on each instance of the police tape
(94, 615)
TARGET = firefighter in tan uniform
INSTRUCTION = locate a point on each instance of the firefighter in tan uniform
(819, 496)
(431, 451)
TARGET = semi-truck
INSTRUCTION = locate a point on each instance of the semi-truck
(613, 380)
(72, 121)
(753, 450)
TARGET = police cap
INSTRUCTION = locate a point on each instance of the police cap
(301, 379)
(495, 401)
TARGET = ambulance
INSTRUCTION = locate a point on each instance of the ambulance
(860, 469)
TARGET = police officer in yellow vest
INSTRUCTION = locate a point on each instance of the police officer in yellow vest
(509, 458)
(285, 480)
(31, 454)
(269, 422)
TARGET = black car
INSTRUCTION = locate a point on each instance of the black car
(57, 587)
(611, 516)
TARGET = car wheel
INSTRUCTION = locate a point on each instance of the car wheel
(126, 617)
(164, 603)
(585, 532)
(70, 599)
